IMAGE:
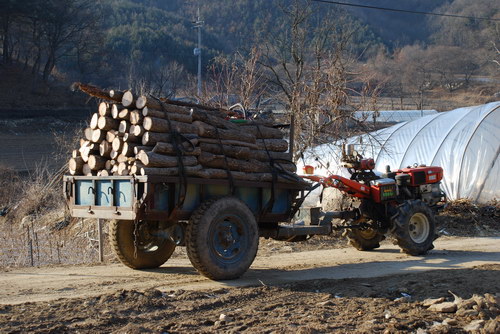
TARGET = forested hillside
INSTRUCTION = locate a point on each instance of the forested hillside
(150, 42)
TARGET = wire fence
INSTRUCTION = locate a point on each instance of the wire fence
(35, 245)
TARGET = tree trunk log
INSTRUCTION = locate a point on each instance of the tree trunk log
(107, 123)
(138, 149)
(98, 135)
(87, 133)
(128, 149)
(203, 116)
(96, 162)
(189, 170)
(131, 138)
(161, 125)
(228, 142)
(116, 95)
(111, 135)
(123, 127)
(206, 130)
(154, 104)
(124, 114)
(136, 117)
(262, 132)
(94, 120)
(151, 138)
(276, 145)
(264, 156)
(76, 166)
(104, 109)
(128, 99)
(136, 130)
(151, 159)
(105, 149)
(238, 152)
(117, 144)
(147, 112)
(166, 148)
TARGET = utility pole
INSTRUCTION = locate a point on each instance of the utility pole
(198, 24)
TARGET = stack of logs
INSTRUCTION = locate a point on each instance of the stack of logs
(146, 136)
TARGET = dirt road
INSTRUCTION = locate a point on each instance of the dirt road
(50, 283)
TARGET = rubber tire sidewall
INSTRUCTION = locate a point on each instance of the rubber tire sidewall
(402, 227)
(198, 245)
(121, 235)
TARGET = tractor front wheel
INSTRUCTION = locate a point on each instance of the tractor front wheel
(364, 239)
(414, 227)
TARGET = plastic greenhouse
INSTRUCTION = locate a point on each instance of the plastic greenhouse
(465, 142)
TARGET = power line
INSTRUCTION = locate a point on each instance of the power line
(404, 10)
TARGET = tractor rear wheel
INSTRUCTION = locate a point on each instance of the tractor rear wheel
(136, 246)
(415, 227)
(222, 238)
(364, 239)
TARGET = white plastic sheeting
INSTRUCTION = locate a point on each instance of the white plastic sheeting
(465, 142)
(393, 116)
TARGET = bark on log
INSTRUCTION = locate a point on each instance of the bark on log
(252, 166)
(131, 138)
(228, 142)
(189, 170)
(94, 120)
(199, 115)
(162, 125)
(147, 112)
(151, 159)
(264, 156)
(107, 123)
(104, 109)
(103, 172)
(167, 148)
(211, 173)
(76, 165)
(151, 138)
(96, 162)
(138, 149)
(87, 171)
(206, 130)
(128, 149)
(238, 152)
(116, 95)
(276, 145)
(154, 104)
(262, 132)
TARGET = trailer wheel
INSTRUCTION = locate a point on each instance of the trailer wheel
(222, 238)
(136, 247)
(364, 240)
(414, 227)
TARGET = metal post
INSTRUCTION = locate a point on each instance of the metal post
(197, 52)
(100, 223)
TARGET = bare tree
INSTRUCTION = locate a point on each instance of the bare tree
(309, 66)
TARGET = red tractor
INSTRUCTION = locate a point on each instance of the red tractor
(401, 202)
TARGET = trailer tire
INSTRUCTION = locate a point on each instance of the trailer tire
(222, 238)
(364, 240)
(135, 247)
(414, 227)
